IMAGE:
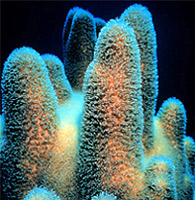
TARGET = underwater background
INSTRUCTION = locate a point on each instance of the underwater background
(39, 25)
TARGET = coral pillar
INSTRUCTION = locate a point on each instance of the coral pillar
(140, 19)
(79, 37)
(171, 119)
(110, 151)
(29, 106)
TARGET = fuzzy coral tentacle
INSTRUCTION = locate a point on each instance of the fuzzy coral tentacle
(79, 38)
(29, 108)
(110, 154)
(140, 19)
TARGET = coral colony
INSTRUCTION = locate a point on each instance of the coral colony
(86, 129)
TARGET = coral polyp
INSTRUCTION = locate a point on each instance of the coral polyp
(85, 128)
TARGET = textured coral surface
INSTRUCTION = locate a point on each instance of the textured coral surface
(85, 128)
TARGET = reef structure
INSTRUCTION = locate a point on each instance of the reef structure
(86, 129)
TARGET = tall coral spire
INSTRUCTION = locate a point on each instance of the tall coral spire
(79, 37)
(110, 151)
(171, 119)
(140, 19)
(29, 106)
(172, 116)
(58, 78)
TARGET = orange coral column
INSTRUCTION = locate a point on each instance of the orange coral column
(110, 155)
(29, 108)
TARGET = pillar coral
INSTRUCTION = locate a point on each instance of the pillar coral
(90, 131)
(171, 124)
(140, 19)
(30, 123)
(110, 145)
(79, 38)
